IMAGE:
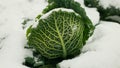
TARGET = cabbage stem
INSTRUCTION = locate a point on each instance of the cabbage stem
(61, 39)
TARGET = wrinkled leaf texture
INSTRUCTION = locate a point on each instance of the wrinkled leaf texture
(62, 33)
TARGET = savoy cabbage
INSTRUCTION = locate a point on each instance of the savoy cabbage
(61, 34)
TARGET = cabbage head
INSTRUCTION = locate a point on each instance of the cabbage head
(59, 35)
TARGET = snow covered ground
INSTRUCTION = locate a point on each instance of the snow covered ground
(12, 36)
(101, 51)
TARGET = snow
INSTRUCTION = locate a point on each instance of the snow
(57, 9)
(92, 13)
(44, 16)
(12, 36)
(115, 17)
(101, 51)
(11, 54)
(108, 3)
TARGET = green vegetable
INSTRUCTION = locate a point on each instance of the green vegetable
(29, 61)
(59, 35)
(62, 33)
(108, 13)
(91, 3)
(71, 4)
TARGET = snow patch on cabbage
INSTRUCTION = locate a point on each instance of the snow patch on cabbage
(44, 16)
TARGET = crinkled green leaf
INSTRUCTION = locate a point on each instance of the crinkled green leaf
(59, 35)
(71, 4)
(28, 31)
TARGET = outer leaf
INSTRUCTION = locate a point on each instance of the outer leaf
(28, 31)
(110, 13)
(71, 4)
(59, 35)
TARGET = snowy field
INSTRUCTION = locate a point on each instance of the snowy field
(101, 51)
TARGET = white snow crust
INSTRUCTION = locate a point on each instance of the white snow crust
(48, 13)
(57, 9)
(108, 3)
(12, 36)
